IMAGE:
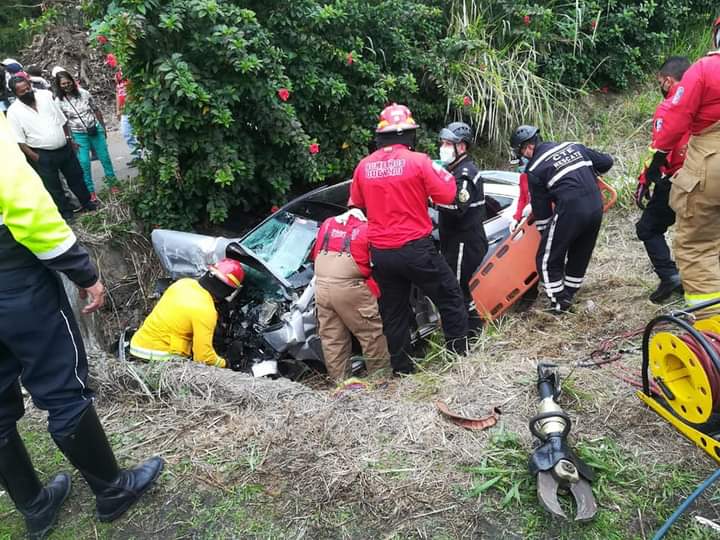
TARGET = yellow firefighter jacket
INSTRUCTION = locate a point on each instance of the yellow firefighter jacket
(180, 325)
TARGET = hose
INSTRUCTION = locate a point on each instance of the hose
(685, 504)
(712, 374)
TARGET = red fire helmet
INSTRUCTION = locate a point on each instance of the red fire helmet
(229, 271)
(395, 119)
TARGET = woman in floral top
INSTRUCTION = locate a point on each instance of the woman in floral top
(87, 126)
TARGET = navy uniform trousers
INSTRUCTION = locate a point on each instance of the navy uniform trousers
(40, 344)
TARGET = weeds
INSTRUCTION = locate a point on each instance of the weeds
(624, 488)
(501, 82)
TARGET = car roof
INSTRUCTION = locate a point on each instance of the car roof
(338, 193)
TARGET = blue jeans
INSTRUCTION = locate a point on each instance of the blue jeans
(127, 133)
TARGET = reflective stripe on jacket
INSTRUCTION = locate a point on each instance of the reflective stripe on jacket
(182, 324)
(32, 232)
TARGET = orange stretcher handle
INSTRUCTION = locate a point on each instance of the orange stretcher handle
(608, 193)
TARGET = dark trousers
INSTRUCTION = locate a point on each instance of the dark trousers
(464, 257)
(566, 248)
(396, 270)
(41, 344)
(652, 226)
(48, 167)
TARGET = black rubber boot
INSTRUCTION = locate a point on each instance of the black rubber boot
(39, 505)
(115, 489)
(666, 288)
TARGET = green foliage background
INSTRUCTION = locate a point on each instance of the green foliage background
(207, 76)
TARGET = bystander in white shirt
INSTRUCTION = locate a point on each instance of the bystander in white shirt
(41, 129)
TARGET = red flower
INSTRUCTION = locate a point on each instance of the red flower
(526, 20)
(314, 148)
(593, 24)
(284, 94)
(349, 59)
(467, 101)
(111, 61)
(102, 40)
(604, 90)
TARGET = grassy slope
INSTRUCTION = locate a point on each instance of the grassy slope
(235, 477)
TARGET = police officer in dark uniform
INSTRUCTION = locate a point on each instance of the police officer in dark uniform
(563, 175)
(462, 234)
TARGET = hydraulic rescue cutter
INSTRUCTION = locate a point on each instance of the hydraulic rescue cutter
(555, 465)
(681, 372)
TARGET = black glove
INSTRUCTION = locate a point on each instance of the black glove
(653, 173)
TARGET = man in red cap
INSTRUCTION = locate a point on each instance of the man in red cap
(695, 192)
(393, 185)
(182, 324)
(346, 295)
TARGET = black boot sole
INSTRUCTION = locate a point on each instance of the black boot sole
(40, 535)
(106, 518)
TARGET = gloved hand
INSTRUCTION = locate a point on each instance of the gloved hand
(652, 171)
(512, 225)
(652, 174)
(642, 191)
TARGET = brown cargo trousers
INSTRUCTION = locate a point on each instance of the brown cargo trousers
(345, 306)
(695, 197)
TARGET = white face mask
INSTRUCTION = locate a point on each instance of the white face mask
(522, 163)
(447, 154)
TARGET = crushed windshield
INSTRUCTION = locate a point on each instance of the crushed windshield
(283, 242)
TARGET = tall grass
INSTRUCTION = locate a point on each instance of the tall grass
(498, 75)
(694, 43)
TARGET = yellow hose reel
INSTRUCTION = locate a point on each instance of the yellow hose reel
(675, 367)
(676, 384)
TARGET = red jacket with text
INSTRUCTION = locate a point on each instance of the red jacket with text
(393, 185)
(695, 105)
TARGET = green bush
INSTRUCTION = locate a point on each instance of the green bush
(602, 42)
(232, 102)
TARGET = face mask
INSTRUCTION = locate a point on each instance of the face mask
(447, 154)
(664, 91)
(522, 163)
(28, 98)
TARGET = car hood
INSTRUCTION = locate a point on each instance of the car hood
(184, 254)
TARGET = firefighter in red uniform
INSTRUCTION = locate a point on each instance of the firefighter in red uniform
(393, 185)
(695, 192)
(346, 295)
(657, 216)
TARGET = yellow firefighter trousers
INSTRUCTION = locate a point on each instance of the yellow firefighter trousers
(345, 306)
(695, 197)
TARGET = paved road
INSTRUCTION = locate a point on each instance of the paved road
(120, 156)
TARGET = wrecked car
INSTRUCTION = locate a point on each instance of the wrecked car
(271, 324)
